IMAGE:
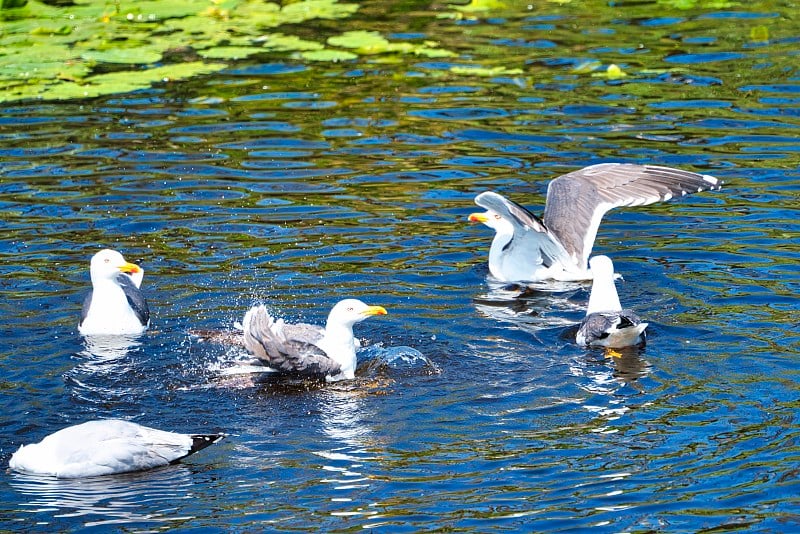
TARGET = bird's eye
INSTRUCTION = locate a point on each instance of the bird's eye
(350, 308)
(106, 260)
(496, 216)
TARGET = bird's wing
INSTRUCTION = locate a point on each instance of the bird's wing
(108, 446)
(600, 325)
(530, 233)
(135, 298)
(286, 348)
(595, 326)
(87, 303)
(577, 202)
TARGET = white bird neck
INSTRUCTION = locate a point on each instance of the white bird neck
(107, 291)
(99, 280)
(340, 345)
(501, 239)
(603, 296)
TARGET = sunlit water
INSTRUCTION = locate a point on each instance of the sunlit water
(298, 185)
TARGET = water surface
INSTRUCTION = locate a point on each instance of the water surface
(299, 184)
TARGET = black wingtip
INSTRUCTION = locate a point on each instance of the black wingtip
(201, 441)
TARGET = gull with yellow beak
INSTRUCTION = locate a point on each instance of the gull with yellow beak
(305, 350)
(115, 306)
(557, 246)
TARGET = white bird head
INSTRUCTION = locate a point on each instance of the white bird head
(493, 220)
(351, 311)
(107, 264)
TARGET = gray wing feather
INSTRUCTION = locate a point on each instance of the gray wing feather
(286, 348)
(576, 202)
(135, 298)
(87, 303)
(596, 326)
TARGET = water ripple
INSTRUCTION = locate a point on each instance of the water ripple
(473, 409)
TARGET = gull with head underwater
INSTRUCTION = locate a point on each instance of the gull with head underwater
(606, 323)
(106, 447)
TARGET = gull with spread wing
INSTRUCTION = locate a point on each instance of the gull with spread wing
(557, 246)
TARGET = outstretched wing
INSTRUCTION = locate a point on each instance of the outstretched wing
(286, 348)
(577, 202)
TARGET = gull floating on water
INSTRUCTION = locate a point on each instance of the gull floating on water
(308, 350)
(557, 246)
(606, 324)
(115, 306)
(106, 447)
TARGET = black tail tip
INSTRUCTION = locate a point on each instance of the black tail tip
(201, 441)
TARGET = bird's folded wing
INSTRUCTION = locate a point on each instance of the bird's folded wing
(286, 348)
(111, 446)
(135, 298)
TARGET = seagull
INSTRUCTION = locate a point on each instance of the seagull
(557, 246)
(606, 324)
(307, 350)
(106, 447)
(115, 306)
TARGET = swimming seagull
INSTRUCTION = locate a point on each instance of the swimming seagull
(115, 306)
(106, 447)
(307, 350)
(557, 246)
(606, 324)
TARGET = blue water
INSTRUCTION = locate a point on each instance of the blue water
(300, 184)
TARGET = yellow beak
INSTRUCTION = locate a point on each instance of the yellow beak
(478, 217)
(374, 310)
(129, 268)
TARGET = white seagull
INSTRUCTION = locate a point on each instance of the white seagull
(606, 324)
(307, 350)
(115, 306)
(557, 246)
(106, 447)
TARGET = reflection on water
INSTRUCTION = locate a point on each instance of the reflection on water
(473, 409)
(107, 371)
(344, 418)
(350, 448)
(108, 500)
(101, 349)
(612, 373)
(533, 310)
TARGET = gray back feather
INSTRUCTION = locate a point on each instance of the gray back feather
(596, 326)
(287, 348)
(87, 303)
